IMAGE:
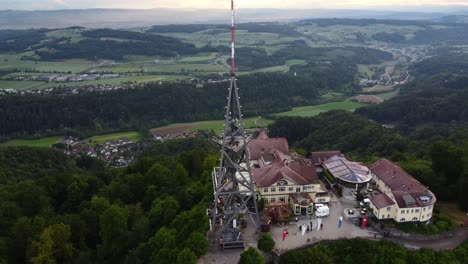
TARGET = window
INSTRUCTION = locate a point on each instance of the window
(417, 210)
(282, 199)
(298, 189)
(273, 189)
(402, 220)
(265, 190)
(389, 208)
(412, 211)
(422, 217)
(424, 209)
(282, 189)
(402, 212)
(273, 200)
(407, 211)
(415, 219)
(290, 189)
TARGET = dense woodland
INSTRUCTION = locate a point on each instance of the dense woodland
(434, 105)
(101, 44)
(59, 210)
(19, 40)
(270, 27)
(157, 105)
(364, 251)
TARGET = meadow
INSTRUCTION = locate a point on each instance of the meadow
(306, 111)
(101, 139)
(37, 143)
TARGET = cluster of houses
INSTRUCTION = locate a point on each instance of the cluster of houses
(68, 89)
(69, 77)
(286, 180)
(115, 153)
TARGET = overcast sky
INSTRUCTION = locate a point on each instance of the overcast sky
(144, 4)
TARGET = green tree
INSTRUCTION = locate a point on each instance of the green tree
(251, 256)
(54, 245)
(266, 243)
(163, 212)
(197, 243)
(186, 256)
(114, 230)
(163, 246)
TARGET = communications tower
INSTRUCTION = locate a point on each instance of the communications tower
(234, 194)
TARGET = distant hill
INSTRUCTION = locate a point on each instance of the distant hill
(126, 18)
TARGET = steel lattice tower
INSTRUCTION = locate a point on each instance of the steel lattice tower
(234, 192)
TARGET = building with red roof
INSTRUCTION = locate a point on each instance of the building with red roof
(403, 198)
(281, 177)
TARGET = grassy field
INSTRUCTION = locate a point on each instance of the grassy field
(366, 70)
(306, 111)
(332, 95)
(389, 95)
(280, 68)
(121, 80)
(134, 136)
(19, 85)
(295, 62)
(74, 66)
(379, 88)
(38, 143)
(217, 125)
(199, 58)
(456, 215)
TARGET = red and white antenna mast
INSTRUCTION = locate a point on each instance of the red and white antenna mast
(233, 39)
(234, 190)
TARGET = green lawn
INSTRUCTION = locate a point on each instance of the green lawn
(134, 136)
(306, 111)
(39, 143)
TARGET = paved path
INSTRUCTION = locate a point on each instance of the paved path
(451, 242)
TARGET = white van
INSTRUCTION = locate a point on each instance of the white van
(317, 205)
(322, 211)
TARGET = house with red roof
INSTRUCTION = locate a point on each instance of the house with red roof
(402, 198)
(284, 178)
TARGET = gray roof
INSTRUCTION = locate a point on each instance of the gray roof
(346, 170)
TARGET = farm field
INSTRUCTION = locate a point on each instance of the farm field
(8, 61)
(366, 70)
(38, 143)
(216, 125)
(19, 85)
(306, 111)
(121, 80)
(389, 95)
(379, 89)
(101, 139)
(199, 58)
